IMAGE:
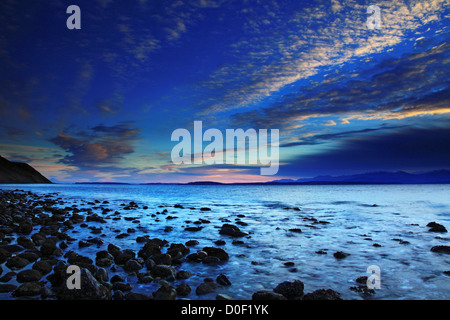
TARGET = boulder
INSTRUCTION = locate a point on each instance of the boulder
(290, 290)
(322, 294)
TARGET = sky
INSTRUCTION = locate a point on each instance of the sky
(100, 103)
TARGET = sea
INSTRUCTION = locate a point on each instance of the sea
(293, 233)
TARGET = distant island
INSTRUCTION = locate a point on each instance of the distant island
(399, 177)
(18, 172)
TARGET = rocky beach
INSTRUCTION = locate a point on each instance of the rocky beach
(121, 258)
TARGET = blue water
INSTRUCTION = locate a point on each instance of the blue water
(408, 271)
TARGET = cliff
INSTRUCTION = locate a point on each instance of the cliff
(17, 172)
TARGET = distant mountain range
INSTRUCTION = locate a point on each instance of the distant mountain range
(399, 177)
(18, 172)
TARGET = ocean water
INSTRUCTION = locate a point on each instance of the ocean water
(332, 218)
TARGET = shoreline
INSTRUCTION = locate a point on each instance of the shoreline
(35, 254)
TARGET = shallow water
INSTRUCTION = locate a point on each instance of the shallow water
(408, 271)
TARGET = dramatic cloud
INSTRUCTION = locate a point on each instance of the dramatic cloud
(100, 146)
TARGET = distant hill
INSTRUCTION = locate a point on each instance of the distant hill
(399, 177)
(17, 172)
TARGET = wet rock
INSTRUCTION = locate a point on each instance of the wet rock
(322, 294)
(28, 276)
(182, 275)
(4, 255)
(25, 227)
(183, 289)
(12, 248)
(340, 255)
(29, 255)
(222, 296)
(441, 249)
(118, 295)
(8, 276)
(7, 287)
(114, 250)
(436, 227)
(90, 289)
(219, 242)
(165, 292)
(102, 275)
(267, 295)
(205, 209)
(206, 287)
(16, 262)
(193, 229)
(48, 247)
(28, 289)
(162, 258)
(223, 280)
(144, 277)
(231, 230)
(132, 265)
(124, 256)
(176, 249)
(163, 271)
(290, 290)
(191, 243)
(122, 286)
(25, 242)
(295, 230)
(219, 253)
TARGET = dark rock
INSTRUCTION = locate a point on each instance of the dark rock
(222, 296)
(28, 289)
(12, 248)
(436, 227)
(122, 286)
(90, 289)
(114, 250)
(219, 242)
(101, 275)
(28, 276)
(8, 276)
(182, 275)
(290, 290)
(441, 249)
(7, 287)
(296, 230)
(322, 294)
(205, 209)
(223, 280)
(362, 280)
(221, 254)
(340, 255)
(267, 295)
(232, 231)
(183, 289)
(163, 271)
(144, 277)
(29, 255)
(132, 265)
(16, 262)
(206, 287)
(193, 229)
(124, 256)
(165, 292)
(191, 243)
